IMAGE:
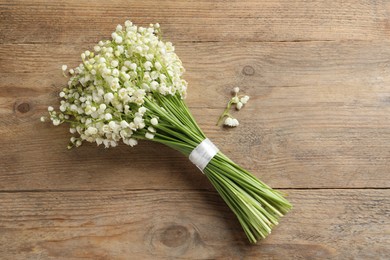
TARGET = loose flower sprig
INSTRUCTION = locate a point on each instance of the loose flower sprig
(130, 88)
(239, 101)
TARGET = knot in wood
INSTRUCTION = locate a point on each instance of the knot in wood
(23, 107)
(175, 235)
(248, 70)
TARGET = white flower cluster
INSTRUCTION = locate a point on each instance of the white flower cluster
(230, 121)
(105, 98)
(239, 101)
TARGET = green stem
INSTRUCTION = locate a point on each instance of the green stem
(257, 206)
(225, 112)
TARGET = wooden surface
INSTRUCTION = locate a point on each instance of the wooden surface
(317, 127)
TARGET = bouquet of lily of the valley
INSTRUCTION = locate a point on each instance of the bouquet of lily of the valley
(130, 88)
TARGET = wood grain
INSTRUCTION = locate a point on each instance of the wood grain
(189, 225)
(317, 126)
(277, 20)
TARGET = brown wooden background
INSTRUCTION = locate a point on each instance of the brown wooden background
(317, 127)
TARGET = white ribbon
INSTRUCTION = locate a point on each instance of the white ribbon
(203, 153)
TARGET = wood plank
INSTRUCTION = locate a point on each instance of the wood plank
(32, 21)
(342, 224)
(319, 117)
(34, 156)
(255, 67)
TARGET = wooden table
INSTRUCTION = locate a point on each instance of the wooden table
(317, 127)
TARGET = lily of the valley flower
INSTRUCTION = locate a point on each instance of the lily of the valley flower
(113, 83)
(239, 101)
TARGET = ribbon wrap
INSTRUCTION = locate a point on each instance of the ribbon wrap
(203, 153)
